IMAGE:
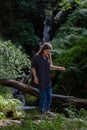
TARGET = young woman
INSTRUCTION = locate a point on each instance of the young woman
(41, 65)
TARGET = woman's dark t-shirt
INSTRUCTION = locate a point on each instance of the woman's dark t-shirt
(42, 67)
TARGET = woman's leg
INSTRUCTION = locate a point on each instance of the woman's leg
(48, 98)
(42, 100)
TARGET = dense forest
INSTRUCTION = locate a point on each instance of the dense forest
(22, 31)
(26, 24)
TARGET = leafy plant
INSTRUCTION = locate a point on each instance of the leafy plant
(12, 60)
(76, 120)
(8, 107)
(67, 4)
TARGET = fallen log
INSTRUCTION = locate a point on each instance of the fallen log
(35, 92)
(23, 87)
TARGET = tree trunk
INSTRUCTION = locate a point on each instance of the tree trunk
(23, 87)
(56, 99)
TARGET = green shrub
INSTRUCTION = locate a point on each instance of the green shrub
(8, 108)
(12, 60)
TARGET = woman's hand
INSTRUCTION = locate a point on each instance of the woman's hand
(50, 58)
(61, 68)
(36, 80)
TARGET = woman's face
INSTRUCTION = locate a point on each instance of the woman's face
(46, 52)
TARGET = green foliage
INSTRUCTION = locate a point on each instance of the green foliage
(83, 3)
(74, 25)
(27, 6)
(23, 33)
(76, 120)
(81, 20)
(6, 92)
(9, 106)
(74, 55)
(74, 77)
(15, 21)
(70, 50)
(12, 60)
(67, 4)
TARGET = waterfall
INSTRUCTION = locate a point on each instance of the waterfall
(47, 28)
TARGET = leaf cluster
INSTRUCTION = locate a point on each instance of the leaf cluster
(8, 107)
(12, 60)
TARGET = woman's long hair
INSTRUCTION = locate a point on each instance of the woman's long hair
(44, 47)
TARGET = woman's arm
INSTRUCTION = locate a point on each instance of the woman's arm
(34, 75)
(53, 67)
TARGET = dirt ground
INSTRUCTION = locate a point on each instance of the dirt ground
(8, 122)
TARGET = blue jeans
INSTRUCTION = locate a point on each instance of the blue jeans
(45, 99)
